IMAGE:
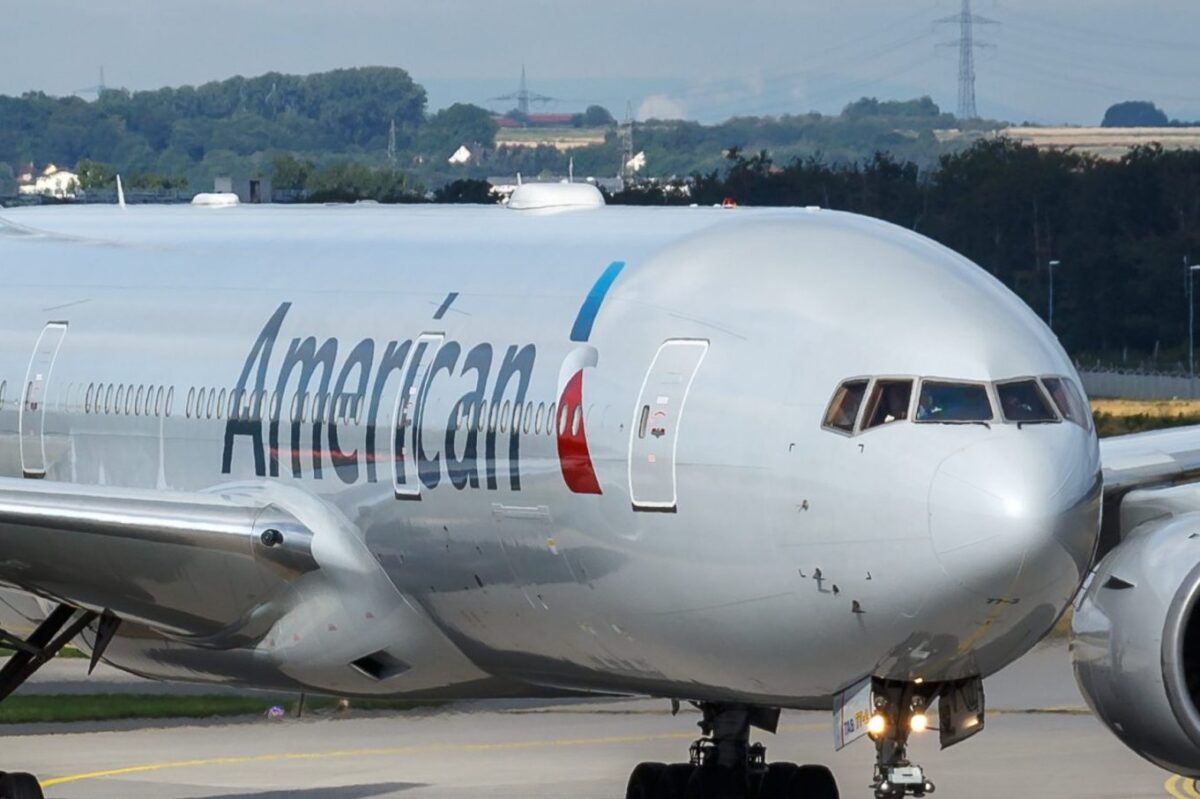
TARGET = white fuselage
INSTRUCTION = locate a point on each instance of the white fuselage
(737, 550)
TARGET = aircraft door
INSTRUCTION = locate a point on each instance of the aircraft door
(33, 403)
(654, 435)
(407, 415)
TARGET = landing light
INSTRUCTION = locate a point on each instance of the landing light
(877, 724)
(919, 723)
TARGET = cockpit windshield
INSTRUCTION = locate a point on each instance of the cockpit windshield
(1069, 401)
(1023, 401)
(953, 402)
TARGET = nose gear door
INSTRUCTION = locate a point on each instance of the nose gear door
(654, 434)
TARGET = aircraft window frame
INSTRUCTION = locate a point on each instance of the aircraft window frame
(201, 397)
(988, 390)
(538, 414)
(504, 415)
(139, 401)
(577, 420)
(119, 401)
(158, 401)
(1047, 401)
(518, 410)
(527, 419)
(87, 398)
(481, 416)
(829, 407)
(3, 391)
(1074, 392)
(870, 404)
(491, 420)
(211, 405)
(191, 401)
(221, 404)
(169, 402)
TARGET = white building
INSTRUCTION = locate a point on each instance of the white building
(53, 182)
(461, 157)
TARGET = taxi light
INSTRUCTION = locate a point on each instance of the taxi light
(877, 724)
(919, 723)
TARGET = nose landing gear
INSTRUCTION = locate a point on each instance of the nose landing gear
(723, 764)
(901, 707)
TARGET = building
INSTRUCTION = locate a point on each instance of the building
(248, 190)
(60, 184)
(462, 156)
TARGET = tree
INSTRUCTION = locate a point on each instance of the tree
(457, 125)
(466, 191)
(597, 116)
(1135, 114)
(95, 175)
(289, 172)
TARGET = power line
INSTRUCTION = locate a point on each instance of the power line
(967, 45)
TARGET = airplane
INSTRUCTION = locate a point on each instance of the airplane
(752, 459)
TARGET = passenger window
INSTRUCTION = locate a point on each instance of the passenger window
(943, 402)
(481, 416)
(1023, 401)
(169, 402)
(1069, 401)
(504, 417)
(843, 410)
(579, 420)
(120, 400)
(221, 404)
(212, 401)
(889, 403)
(190, 402)
(528, 420)
(3, 391)
(537, 417)
(139, 402)
(550, 411)
(87, 398)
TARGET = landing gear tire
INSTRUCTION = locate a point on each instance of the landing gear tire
(643, 782)
(779, 782)
(716, 782)
(674, 781)
(815, 782)
(18, 785)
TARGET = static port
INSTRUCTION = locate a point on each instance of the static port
(271, 538)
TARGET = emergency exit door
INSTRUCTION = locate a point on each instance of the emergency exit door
(33, 403)
(654, 438)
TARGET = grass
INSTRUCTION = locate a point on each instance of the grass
(38, 708)
(1116, 417)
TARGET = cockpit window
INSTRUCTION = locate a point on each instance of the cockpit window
(953, 402)
(1069, 401)
(844, 408)
(889, 403)
(1023, 401)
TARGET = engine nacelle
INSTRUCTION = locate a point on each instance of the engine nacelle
(1136, 632)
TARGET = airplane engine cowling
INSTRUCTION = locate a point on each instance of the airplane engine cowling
(1136, 642)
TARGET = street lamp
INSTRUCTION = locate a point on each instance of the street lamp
(1050, 316)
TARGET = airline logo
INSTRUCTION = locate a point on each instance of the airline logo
(472, 452)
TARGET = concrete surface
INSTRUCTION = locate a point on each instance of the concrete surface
(498, 750)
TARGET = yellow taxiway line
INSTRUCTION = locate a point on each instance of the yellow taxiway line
(1181, 787)
(507, 746)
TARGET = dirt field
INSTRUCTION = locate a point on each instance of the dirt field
(1118, 417)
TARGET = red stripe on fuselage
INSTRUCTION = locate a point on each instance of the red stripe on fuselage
(573, 455)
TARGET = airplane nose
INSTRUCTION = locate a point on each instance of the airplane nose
(1018, 513)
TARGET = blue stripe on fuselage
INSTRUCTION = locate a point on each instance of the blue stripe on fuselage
(595, 298)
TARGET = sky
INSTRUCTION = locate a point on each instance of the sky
(1049, 61)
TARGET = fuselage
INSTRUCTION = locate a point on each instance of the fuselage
(588, 447)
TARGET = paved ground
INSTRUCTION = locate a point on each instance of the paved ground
(572, 751)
